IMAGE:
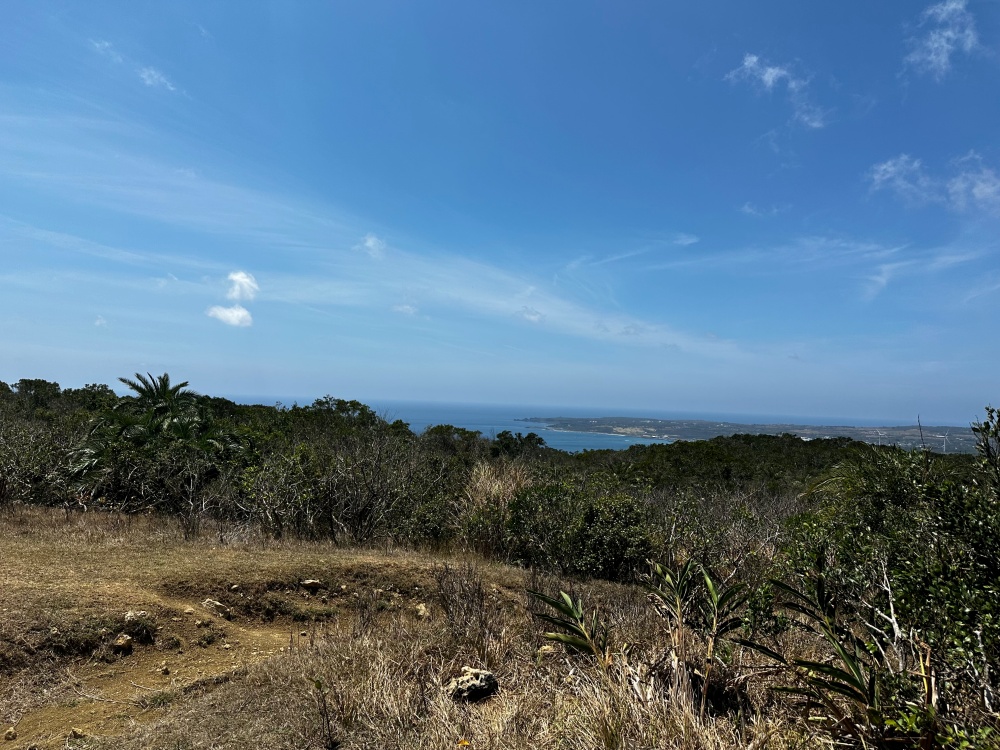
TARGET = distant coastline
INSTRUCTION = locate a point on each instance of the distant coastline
(943, 439)
(578, 430)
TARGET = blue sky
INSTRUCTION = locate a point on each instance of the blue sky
(769, 207)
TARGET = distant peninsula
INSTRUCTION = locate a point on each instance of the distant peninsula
(935, 438)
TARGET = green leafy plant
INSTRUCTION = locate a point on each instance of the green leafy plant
(593, 638)
(720, 617)
(856, 696)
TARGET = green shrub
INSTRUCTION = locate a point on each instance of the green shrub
(596, 529)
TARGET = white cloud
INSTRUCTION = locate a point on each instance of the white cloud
(88, 160)
(149, 75)
(107, 49)
(974, 188)
(684, 239)
(768, 77)
(101, 322)
(237, 315)
(405, 309)
(243, 286)
(531, 314)
(952, 29)
(752, 209)
(153, 77)
(905, 176)
(372, 245)
(882, 276)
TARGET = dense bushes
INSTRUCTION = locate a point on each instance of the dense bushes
(592, 528)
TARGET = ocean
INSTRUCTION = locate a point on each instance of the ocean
(491, 419)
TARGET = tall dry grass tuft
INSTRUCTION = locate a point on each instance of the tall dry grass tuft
(491, 487)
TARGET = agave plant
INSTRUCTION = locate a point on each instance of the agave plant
(674, 589)
(593, 638)
(719, 611)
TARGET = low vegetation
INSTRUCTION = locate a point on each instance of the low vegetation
(332, 570)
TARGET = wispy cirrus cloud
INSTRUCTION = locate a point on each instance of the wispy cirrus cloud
(972, 187)
(948, 29)
(153, 77)
(107, 49)
(976, 187)
(766, 77)
(149, 75)
(235, 315)
(905, 176)
(752, 209)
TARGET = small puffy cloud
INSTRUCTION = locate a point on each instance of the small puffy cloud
(101, 322)
(531, 314)
(372, 245)
(405, 309)
(757, 72)
(975, 188)
(905, 176)
(153, 77)
(237, 315)
(950, 28)
(684, 239)
(242, 286)
(107, 49)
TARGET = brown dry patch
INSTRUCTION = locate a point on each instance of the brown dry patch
(66, 585)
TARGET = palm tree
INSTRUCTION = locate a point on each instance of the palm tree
(162, 402)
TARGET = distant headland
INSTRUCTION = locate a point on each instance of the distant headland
(935, 438)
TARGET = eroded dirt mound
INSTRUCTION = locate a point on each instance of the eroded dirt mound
(104, 625)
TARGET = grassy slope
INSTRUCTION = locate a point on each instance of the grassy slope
(382, 659)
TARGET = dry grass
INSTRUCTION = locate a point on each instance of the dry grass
(370, 650)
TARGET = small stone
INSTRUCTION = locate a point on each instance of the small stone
(473, 685)
(225, 647)
(234, 587)
(132, 616)
(10, 735)
(77, 734)
(217, 608)
(123, 644)
(189, 611)
(422, 611)
(312, 585)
